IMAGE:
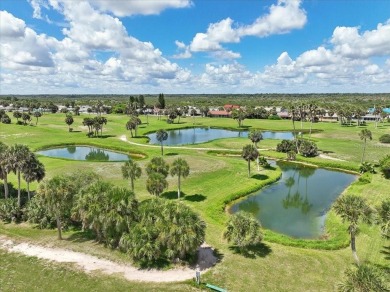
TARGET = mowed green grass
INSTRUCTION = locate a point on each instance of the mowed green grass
(213, 180)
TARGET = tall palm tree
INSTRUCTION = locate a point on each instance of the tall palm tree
(249, 153)
(33, 170)
(102, 121)
(364, 135)
(293, 111)
(255, 136)
(157, 165)
(180, 168)
(353, 209)
(4, 167)
(18, 155)
(37, 115)
(156, 183)
(132, 171)
(69, 120)
(161, 136)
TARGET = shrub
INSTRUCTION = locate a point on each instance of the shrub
(286, 146)
(274, 117)
(385, 166)
(385, 138)
(263, 162)
(37, 213)
(9, 210)
(365, 178)
(5, 119)
(308, 148)
(366, 167)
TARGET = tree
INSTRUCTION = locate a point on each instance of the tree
(37, 115)
(133, 124)
(161, 136)
(353, 209)
(16, 162)
(157, 165)
(363, 278)
(384, 218)
(107, 210)
(165, 230)
(4, 167)
(239, 115)
(69, 120)
(5, 119)
(26, 118)
(180, 168)
(58, 193)
(161, 101)
(384, 164)
(156, 183)
(255, 136)
(364, 135)
(292, 109)
(249, 153)
(132, 171)
(102, 121)
(243, 230)
(17, 115)
(33, 170)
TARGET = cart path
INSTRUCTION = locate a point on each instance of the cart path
(88, 263)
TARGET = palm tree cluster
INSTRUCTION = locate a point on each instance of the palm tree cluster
(165, 230)
(95, 125)
(22, 162)
(133, 124)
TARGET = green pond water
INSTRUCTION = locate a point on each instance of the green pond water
(297, 204)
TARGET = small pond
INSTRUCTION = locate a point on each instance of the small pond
(297, 204)
(201, 135)
(84, 153)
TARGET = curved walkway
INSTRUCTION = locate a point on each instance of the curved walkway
(88, 263)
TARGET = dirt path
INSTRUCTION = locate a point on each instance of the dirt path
(330, 157)
(88, 263)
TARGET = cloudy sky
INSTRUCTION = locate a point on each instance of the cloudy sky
(194, 46)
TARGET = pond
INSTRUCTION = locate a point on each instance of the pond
(297, 204)
(84, 153)
(201, 135)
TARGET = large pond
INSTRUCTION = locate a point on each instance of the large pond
(201, 135)
(297, 204)
(84, 153)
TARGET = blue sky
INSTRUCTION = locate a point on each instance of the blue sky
(184, 46)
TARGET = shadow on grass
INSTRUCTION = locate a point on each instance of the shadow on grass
(172, 195)
(75, 131)
(195, 198)
(260, 176)
(103, 136)
(252, 251)
(386, 252)
(81, 236)
(171, 154)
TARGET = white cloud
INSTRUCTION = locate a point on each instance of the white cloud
(282, 18)
(349, 43)
(318, 57)
(10, 26)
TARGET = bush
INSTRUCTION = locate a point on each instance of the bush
(9, 210)
(385, 166)
(365, 178)
(5, 119)
(385, 138)
(308, 148)
(274, 117)
(286, 146)
(37, 213)
(366, 167)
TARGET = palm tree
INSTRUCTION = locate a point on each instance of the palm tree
(180, 168)
(4, 166)
(132, 171)
(161, 136)
(26, 117)
(239, 115)
(249, 153)
(16, 162)
(34, 170)
(364, 135)
(292, 109)
(102, 121)
(255, 136)
(58, 193)
(243, 230)
(156, 183)
(363, 278)
(384, 218)
(17, 115)
(37, 115)
(69, 120)
(157, 165)
(353, 209)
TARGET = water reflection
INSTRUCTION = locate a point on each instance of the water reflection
(84, 153)
(297, 204)
(201, 135)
